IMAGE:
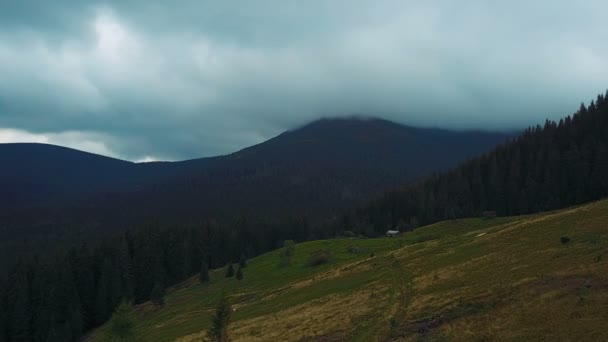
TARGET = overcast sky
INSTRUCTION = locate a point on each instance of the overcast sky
(171, 80)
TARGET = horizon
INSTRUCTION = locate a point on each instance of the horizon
(297, 128)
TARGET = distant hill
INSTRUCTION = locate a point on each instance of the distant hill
(53, 194)
(316, 169)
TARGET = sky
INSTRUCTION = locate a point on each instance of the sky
(172, 80)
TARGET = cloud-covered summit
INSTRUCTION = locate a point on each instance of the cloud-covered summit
(182, 79)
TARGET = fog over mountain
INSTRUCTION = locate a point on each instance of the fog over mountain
(184, 79)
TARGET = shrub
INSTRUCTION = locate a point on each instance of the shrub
(319, 257)
(357, 250)
(348, 233)
(564, 240)
(425, 238)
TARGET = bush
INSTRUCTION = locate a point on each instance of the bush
(348, 233)
(564, 240)
(319, 257)
(424, 238)
(357, 250)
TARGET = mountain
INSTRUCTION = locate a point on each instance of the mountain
(54, 196)
(548, 167)
(328, 163)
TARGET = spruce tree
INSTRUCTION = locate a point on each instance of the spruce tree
(239, 273)
(230, 271)
(121, 325)
(204, 275)
(220, 321)
(243, 261)
(158, 294)
(102, 298)
(21, 313)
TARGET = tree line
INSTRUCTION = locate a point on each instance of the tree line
(547, 167)
(60, 298)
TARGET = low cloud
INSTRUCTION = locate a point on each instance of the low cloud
(145, 81)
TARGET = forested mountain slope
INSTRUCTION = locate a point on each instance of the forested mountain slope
(516, 278)
(54, 196)
(547, 167)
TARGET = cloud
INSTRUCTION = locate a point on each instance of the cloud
(143, 80)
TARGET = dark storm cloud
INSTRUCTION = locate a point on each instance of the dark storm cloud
(174, 80)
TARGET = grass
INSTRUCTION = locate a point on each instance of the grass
(470, 279)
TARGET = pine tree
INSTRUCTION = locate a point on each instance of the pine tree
(204, 275)
(121, 325)
(157, 296)
(21, 313)
(230, 271)
(243, 261)
(220, 321)
(239, 273)
(102, 298)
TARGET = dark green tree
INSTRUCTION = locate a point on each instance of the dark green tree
(102, 299)
(21, 313)
(239, 273)
(121, 325)
(204, 275)
(243, 261)
(230, 271)
(220, 321)
(157, 296)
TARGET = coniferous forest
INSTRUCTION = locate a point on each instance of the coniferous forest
(552, 166)
(60, 297)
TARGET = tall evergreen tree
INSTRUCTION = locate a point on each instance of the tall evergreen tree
(220, 321)
(239, 273)
(158, 294)
(121, 325)
(21, 311)
(243, 261)
(204, 274)
(230, 270)
(102, 299)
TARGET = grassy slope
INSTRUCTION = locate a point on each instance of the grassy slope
(501, 279)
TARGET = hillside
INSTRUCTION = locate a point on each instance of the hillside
(306, 169)
(556, 165)
(469, 279)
